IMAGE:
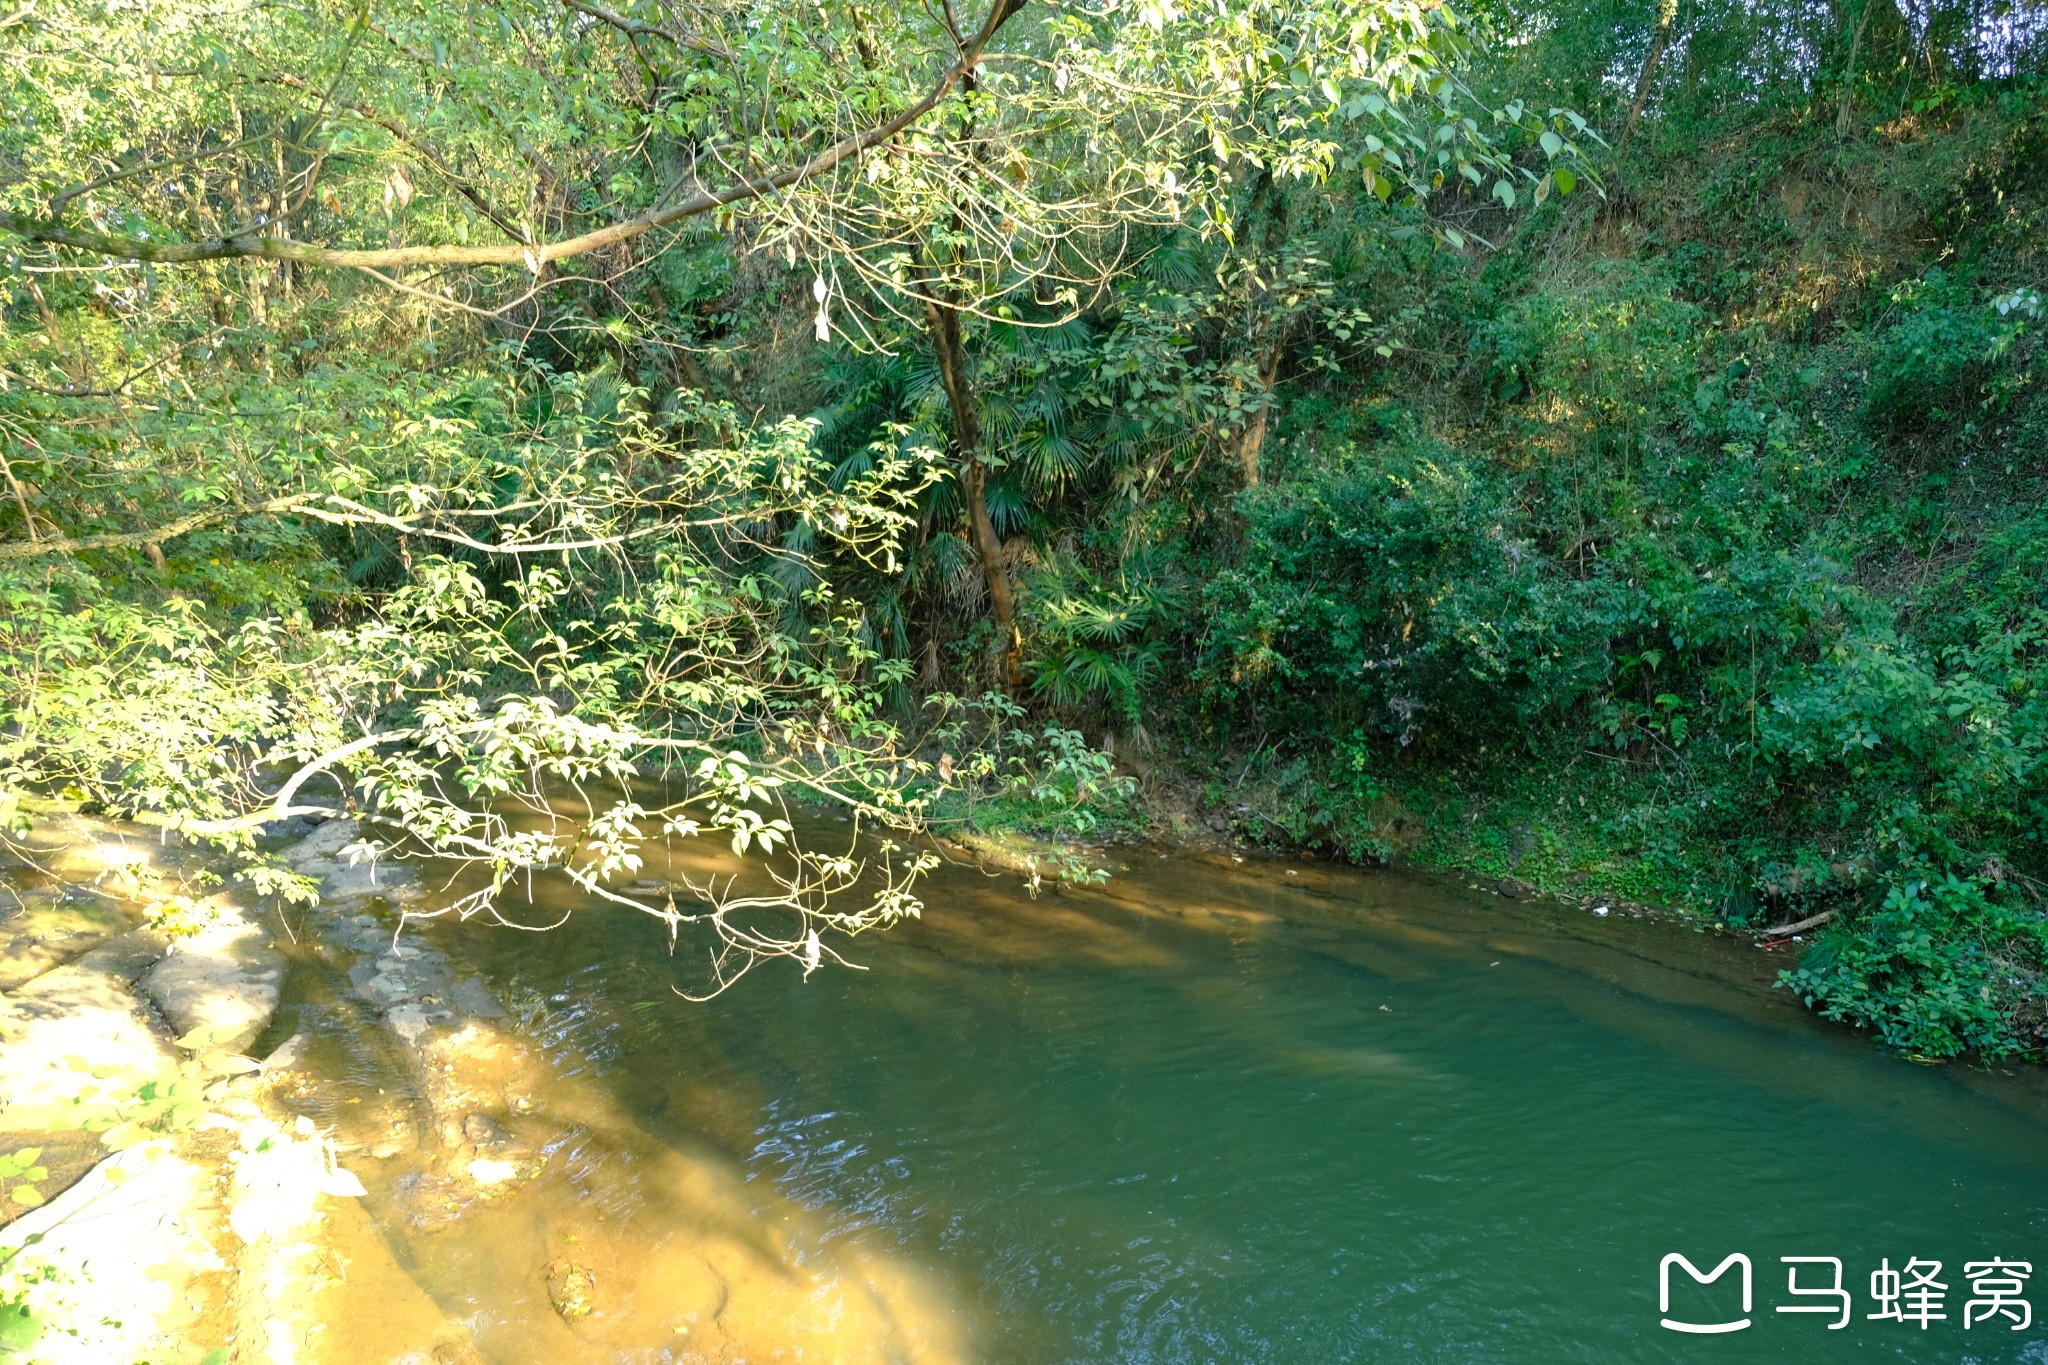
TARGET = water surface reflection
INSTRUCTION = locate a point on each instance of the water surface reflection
(1221, 1112)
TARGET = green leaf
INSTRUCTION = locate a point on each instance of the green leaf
(228, 1064)
(204, 1036)
(28, 1196)
(1566, 181)
(19, 1328)
(1552, 144)
(122, 1136)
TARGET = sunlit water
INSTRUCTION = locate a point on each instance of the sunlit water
(1271, 1112)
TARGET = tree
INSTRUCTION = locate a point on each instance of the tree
(526, 550)
(1003, 169)
(1083, 137)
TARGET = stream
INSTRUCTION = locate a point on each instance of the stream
(1223, 1111)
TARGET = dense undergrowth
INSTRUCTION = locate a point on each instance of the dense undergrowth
(1692, 548)
(1728, 590)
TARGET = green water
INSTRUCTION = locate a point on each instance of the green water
(1262, 1112)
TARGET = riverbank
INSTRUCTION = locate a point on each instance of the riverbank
(235, 1131)
(1516, 859)
(169, 1202)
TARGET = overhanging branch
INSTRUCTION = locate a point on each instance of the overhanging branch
(116, 540)
(251, 243)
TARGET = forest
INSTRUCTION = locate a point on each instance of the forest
(1599, 447)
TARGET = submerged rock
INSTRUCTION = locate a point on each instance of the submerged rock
(471, 998)
(572, 1289)
(336, 854)
(483, 1130)
(432, 1201)
(290, 1055)
(385, 989)
(492, 1171)
(363, 933)
(414, 1022)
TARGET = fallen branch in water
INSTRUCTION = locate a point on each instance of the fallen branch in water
(1800, 926)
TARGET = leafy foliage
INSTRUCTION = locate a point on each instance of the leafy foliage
(1592, 442)
(1049, 782)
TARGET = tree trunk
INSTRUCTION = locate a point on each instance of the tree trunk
(952, 358)
(1268, 203)
(1252, 439)
(1660, 38)
(1844, 108)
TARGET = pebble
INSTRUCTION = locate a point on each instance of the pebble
(483, 1130)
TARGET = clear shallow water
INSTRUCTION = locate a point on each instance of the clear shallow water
(1223, 1112)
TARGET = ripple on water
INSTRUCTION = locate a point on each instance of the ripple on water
(1214, 1114)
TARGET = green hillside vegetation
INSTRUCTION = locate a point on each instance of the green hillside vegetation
(1601, 444)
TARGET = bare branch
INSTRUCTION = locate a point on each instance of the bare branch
(1797, 926)
(58, 205)
(635, 28)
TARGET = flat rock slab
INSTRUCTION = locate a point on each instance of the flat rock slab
(39, 933)
(67, 1023)
(78, 848)
(119, 1249)
(226, 981)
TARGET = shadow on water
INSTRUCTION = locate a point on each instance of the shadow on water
(1215, 1111)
